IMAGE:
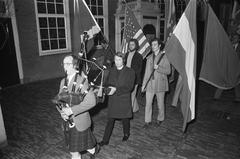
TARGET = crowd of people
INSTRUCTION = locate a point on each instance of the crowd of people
(124, 79)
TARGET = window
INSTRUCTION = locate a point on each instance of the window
(180, 7)
(53, 26)
(99, 9)
(122, 29)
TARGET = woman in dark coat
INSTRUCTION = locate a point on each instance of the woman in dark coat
(121, 82)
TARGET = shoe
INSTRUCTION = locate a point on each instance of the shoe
(147, 125)
(236, 100)
(125, 138)
(135, 111)
(97, 149)
(102, 143)
(158, 123)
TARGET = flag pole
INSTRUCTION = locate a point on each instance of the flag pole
(124, 31)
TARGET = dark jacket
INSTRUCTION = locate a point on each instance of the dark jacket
(119, 104)
(136, 65)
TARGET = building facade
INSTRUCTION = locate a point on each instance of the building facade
(36, 34)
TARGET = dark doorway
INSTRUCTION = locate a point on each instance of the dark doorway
(8, 60)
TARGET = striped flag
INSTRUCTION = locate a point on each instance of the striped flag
(132, 30)
(171, 19)
(83, 22)
(181, 52)
(220, 66)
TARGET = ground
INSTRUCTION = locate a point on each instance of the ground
(33, 127)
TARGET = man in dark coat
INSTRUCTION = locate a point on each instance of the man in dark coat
(120, 81)
(134, 61)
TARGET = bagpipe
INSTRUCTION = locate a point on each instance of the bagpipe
(66, 98)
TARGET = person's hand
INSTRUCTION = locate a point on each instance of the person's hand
(64, 116)
(67, 111)
(155, 67)
(95, 91)
(112, 91)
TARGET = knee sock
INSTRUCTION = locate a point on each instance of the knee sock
(91, 151)
(76, 156)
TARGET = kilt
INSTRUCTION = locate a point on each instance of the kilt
(80, 140)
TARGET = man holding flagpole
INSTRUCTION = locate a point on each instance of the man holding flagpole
(155, 82)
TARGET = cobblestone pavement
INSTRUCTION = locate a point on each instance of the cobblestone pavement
(34, 132)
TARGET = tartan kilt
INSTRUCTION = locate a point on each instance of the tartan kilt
(79, 141)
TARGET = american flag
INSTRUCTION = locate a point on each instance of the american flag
(132, 30)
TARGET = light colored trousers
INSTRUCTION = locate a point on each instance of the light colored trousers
(160, 103)
(135, 106)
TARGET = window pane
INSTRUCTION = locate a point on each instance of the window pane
(100, 22)
(87, 1)
(53, 33)
(41, 0)
(61, 33)
(161, 23)
(50, 0)
(43, 22)
(60, 9)
(44, 33)
(54, 44)
(51, 8)
(45, 45)
(60, 22)
(162, 30)
(94, 10)
(52, 22)
(100, 2)
(93, 2)
(100, 10)
(62, 43)
(162, 37)
(59, 1)
(41, 8)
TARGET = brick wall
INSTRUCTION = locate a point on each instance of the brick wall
(35, 67)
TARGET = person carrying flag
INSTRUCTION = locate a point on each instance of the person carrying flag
(155, 81)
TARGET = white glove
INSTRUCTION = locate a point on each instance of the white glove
(67, 111)
(64, 116)
(112, 91)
